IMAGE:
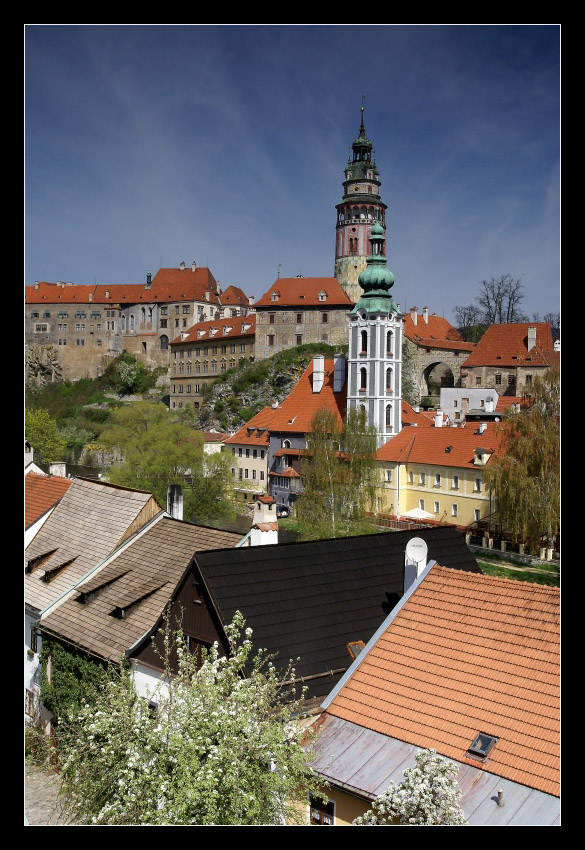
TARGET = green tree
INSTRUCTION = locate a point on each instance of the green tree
(42, 433)
(338, 476)
(159, 450)
(221, 748)
(427, 796)
(525, 477)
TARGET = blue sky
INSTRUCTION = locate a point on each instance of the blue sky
(146, 145)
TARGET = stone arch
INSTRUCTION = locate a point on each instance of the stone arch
(436, 375)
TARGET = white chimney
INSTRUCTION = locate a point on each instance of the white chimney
(482, 427)
(439, 419)
(182, 265)
(58, 469)
(207, 294)
(193, 266)
(425, 313)
(318, 372)
(175, 501)
(413, 314)
(490, 405)
(531, 338)
(557, 345)
(264, 531)
(250, 300)
(338, 373)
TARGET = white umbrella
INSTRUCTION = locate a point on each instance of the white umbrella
(418, 513)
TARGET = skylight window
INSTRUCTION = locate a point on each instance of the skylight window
(482, 744)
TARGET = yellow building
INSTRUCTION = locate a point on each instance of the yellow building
(438, 473)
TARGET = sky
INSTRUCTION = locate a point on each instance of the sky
(147, 145)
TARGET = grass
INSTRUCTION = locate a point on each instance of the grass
(549, 575)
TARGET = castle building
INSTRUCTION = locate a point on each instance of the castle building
(360, 207)
(375, 345)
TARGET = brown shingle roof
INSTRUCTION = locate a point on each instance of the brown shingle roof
(146, 572)
(88, 523)
(506, 345)
(304, 292)
(467, 653)
(41, 493)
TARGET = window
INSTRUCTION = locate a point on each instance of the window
(511, 380)
(498, 378)
(437, 479)
(477, 381)
(388, 416)
(270, 339)
(454, 509)
(272, 318)
(421, 504)
(39, 329)
(79, 342)
(364, 341)
(389, 344)
(455, 484)
(321, 814)
(164, 343)
(186, 308)
(411, 477)
(422, 480)
(299, 339)
(164, 311)
(177, 309)
(476, 515)
(388, 380)
(261, 475)
(528, 380)
(299, 318)
(324, 318)
(389, 475)
(33, 639)
(478, 485)
(363, 379)
(436, 507)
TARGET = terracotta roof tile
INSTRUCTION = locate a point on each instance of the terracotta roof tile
(467, 653)
(304, 292)
(429, 445)
(507, 345)
(436, 333)
(41, 493)
(217, 329)
(256, 431)
(295, 414)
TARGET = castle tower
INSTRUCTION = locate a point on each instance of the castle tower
(360, 207)
(375, 345)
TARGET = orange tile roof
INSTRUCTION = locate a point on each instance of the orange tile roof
(429, 445)
(436, 333)
(506, 345)
(467, 653)
(411, 417)
(167, 285)
(304, 292)
(234, 295)
(217, 329)
(256, 431)
(295, 414)
(42, 492)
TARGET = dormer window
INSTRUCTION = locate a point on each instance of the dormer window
(322, 296)
(275, 296)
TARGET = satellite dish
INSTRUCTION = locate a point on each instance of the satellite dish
(416, 550)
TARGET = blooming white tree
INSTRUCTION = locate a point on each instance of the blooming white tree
(427, 796)
(220, 747)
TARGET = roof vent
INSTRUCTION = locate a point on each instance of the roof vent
(448, 450)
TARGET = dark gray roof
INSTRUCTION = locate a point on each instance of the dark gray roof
(309, 600)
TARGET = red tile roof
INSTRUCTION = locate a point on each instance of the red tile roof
(295, 414)
(167, 285)
(234, 295)
(467, 653)
(506, 345)
(255, 432)
(430, 445)
(217, 329)
(304, 292)
(436, 333)
(41, 493)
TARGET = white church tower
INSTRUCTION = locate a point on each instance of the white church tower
(375, 345)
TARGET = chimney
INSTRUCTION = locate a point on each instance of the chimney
(148, 279)
(193, 266)
(264, 531)
(490, 405)
(182, 266)
(175, 501)
(500, 800)
(207, 294)
(318, 372)
(482, 427)
(413, 314)
(36, 284)
(425, 313)
(107, 293)
(531, 338)
(250, 300)
(439, 418)
(90, 297)
(338, 373)
(58, 469)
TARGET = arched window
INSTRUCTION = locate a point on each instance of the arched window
(388, 416)
(286, 444)
(131, 321)
(364, 340)
(389, 380)
(143, 315)
(164, 343)
(363, 378)
(389, 343)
